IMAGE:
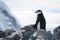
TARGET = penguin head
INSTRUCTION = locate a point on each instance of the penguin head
(38, 11)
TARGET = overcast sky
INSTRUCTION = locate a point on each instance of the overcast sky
(24, 10)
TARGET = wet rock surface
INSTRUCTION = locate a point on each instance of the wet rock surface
(57, 33)
(29, 33)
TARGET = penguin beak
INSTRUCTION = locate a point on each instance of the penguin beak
(36, 12)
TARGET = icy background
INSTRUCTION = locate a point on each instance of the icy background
(23, 10)
(23, 15)
(18, 24)
(7, 21)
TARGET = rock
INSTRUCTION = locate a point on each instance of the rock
(8, 32)
(1, 38)
(1, 34)
(29, 30)
(56, 30)
(57, 33)
(29, 33)
(42, 35)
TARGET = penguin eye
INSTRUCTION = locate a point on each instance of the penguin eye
(39, 12)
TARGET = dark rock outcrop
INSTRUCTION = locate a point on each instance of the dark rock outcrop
(1, 34)
(29, 33)
(8, 32)
(57, 33)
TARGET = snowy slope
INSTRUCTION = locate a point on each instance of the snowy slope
(7, 21)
